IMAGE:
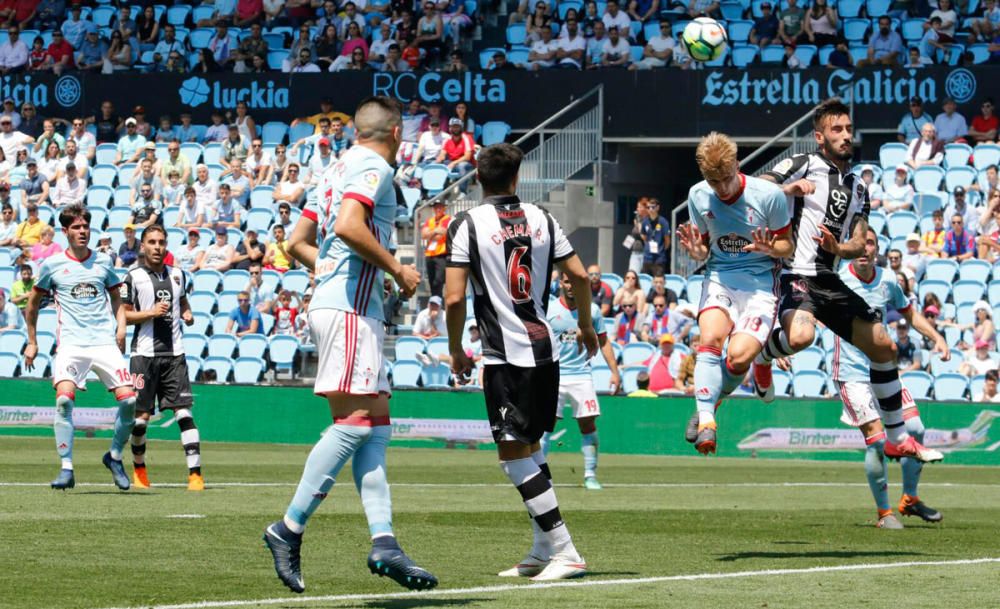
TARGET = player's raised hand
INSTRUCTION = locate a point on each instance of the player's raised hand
(826, 240)
(799, 188)
(461, 364)
(763, 242)
(408, 279)
(586, 340)
(691, 240)
(30, 351)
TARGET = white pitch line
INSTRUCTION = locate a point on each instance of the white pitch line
(564, 485)
(569, 584)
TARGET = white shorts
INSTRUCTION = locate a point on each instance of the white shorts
(752, 313)
(578, 392)
(861, 406)
(74, 363)
(350, 353)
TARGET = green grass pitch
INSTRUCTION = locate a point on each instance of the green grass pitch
(455, 513)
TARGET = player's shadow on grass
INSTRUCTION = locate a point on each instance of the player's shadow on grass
(417, 603)
(820, 554)
(122, 493)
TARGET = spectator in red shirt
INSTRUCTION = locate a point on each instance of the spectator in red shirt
(60, 53)
(285, 313)
(600, 292)
(984, 127)
(659, 366)
(458, 149)
(248, 11)
(25, 12)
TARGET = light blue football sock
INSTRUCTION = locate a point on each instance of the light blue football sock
(911, 467)
(124, 423)
(707, 382)
(877, 473)
(62, 425)
(589, 443)
(730, 381)
(322, 466)
(369, 476)
(544, 442)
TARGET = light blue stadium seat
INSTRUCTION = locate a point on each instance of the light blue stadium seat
(985, 155)
(194, 364)
(993, 292)
(408, 347)
(191, 150)
(437, 346)
(42, 363)
(228, 300)
(406, 373)
(918, 383)
(436, 376)
(105, 154)
(892, 154)
(202, 302)
(202, 321)
(967, 291)
(956, 155)
(980, 52)
(848, 8)
(47, 320)
(614, 281)
(782, 380)
(271, 279)
(601, 376)
(854, 31)
(262, 197)
(206, 280)
(259, 220)
(495, 132)
(46, 341)
(636, 353)
(942, 269)
(693, 289)
(941, 289)
(211, 153)
(629, 375)
(976, 384)
(877, 221)
(222, 345)
(939, 366)
(950, 386)
(434, 178)
(13, 341)
(810, 358)
(253, 346)
(274, 132)
(516, 33)
(235, 280)
(282, 350)
(295, 281)
(963, 176)
(744, 56)
(926, 203)
(808, 383)
(927, 178)
(299, 131)
(806, 53)
(219, 323)
(9, 363)
(195, 343)
(247, 370)
(901, 223)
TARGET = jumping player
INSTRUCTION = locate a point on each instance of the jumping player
(739, 224)
(830, 222)
(507, 249)
(576, 385)
(344, 237)
(154, 300)
(91, 335)
(851, 373)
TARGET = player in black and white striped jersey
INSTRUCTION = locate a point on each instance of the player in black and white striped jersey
(830, 208)
(507, 250)
(154, 298)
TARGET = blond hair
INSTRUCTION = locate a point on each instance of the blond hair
(716, 156)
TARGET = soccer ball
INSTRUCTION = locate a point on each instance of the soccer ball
(705, 39)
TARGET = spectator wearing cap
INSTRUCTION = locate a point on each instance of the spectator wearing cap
(104, 246)
(434, 233)
(765, 28)
(29, 232)
(239, 182)
(131, 145)
(276, 258)
(985, 126)
(913, 121)
(13, 52)
(226, 211)
(219, 255)
(190, 257)
(950, 124)
(959, 243)
(128, 251)
(907, 351)
(191, 213)
(898, 194)
(34, 185)
(235, 146)
(885, 47)
(458, 149)
(979, 360)
(664, 366)
(10, 139)
(70, 188)
(926, 149)
(615, 52)
(932, 241)
(90, 52)
(659, 49)
(250, 251)
(960, 206)
(430, 322)
(912, 258)
(320, 160)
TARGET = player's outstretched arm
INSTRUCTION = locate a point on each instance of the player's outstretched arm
(580, 281)
(926, 329)
(118, 309)
(31, 324)
(350, 226)
(302, 243)
(609, 356)
(456, 279)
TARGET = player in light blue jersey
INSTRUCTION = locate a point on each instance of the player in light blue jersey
(576, 385)
(739, 226)
(344, 237)
(851, 372)
(90, 333)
